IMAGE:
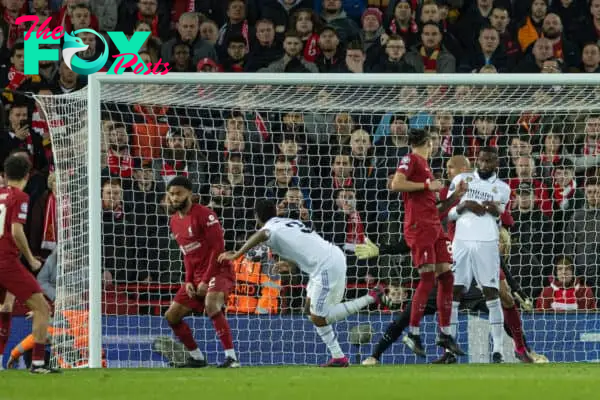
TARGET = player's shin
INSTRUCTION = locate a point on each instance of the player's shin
(419, 301)
(183, 332)
(329, 337)
(224, 334)
(513, 320)
(392, 333)
(5, 323)
(496, 319)
(444, 301)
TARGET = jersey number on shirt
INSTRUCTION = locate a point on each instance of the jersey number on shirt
(2, 218)
(296, 224)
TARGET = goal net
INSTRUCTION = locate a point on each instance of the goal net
(325, 152)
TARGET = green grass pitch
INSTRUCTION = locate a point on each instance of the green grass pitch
(422, 382)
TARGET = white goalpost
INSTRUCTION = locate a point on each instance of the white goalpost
(324, 143)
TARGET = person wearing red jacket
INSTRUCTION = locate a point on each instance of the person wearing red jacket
(566, 292)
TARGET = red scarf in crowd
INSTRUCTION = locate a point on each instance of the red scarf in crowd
(430, 62)
(546, 159)
(564, 299)
(559, 192)
(412, 27)
(15, 78)
(447, 147)
(50, 229)
(530, 122)
(119, 165)
(15, 32)
(591, 149)
(355, 230)
(346, 183)
(478, 141)
(191, 5)
(171, 170)
(311, 48)
(153, 23)
(558, 50)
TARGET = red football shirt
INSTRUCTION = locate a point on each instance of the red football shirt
(200, 237)
(420, 209)
(14, 204)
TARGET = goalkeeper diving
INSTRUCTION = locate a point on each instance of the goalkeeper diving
(473, 300)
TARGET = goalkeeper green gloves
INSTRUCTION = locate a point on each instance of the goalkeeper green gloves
(525, 302)
(366, 250)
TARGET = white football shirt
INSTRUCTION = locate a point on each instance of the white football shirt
(293, 241)
(470, 226)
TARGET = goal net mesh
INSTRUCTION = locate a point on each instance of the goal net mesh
(325, 154)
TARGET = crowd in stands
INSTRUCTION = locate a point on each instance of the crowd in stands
(330, 170)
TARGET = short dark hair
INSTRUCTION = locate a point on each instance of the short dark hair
(489, 149)
(356, 45)
(565, 163)
(592, 181)
(236, 38)
(19, 45)
(265, 209)
(417, 137)
(16, 167)
(292, 33)
(181, 181)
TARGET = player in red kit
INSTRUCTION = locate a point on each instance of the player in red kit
(208, 282)
(430, 249)
(14, 277)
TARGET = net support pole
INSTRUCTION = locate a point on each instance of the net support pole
(95, 223)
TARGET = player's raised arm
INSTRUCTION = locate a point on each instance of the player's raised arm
(253, 241)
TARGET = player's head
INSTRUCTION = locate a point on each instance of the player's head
(264, 210)
(16, 168)
(487, 162)
(457, 165)
(179, 193)
(420, 139)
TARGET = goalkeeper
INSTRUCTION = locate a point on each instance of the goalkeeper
(472, 301)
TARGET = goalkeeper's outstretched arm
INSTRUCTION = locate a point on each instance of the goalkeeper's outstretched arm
(370, 250)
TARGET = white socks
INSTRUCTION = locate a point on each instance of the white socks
(454, 319)
(330, 339)
(196, 354)
(231, 354)
(496, 324)
(342, 310)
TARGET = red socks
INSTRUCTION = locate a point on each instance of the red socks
(38, 356)
(184, 333)
(444, 298)
(5, 320)
(419, 300)
(513, 320)
(222, 329)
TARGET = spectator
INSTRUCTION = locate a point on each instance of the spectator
(355, 59)
(209, 31)
(188, 29)
(307, 23)
(395, 60)
(149, 11)
(534, 62)
(235, 58)
(42, 228)
(401, 21)
(284, 178)
(501, 21)
(107, 13)
(282, 12)
(333, 14)
(472, 21)
(431, 56)
(589, 30)
(13, 77)
(531, 30)
(235, 219)
(394, 146)
(551, 153)
(563, 49)
(117, 236)
(12, 9)
(265, 49)
(567, 198)
(488, 51)
(152, 45)
(341, 176)
(590, 58)
(525, 170)
(292, 46)
(245, 187)
(532, 229)
(81, 17)
(68, 80)
(570, 12)
(118, 158)
(582, 231)
(294, 206)
(237, 25)
(566, 292)
(371, 22)
(330, 56)
(181, 60)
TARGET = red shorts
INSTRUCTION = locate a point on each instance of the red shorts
(426, 251)
(220, 283)
(15, 278)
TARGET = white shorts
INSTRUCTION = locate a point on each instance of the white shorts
(475, 259)
(326, 288)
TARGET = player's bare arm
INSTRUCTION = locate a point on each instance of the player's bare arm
(447, 204)
(18, 233)
(471, 206)
(254, 240)
(401, 184)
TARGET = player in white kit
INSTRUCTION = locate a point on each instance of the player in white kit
(475, 249)
(325, 263)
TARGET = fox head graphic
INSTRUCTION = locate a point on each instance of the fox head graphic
(73, 45)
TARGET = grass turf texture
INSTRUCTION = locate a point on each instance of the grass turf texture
(462, 382)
